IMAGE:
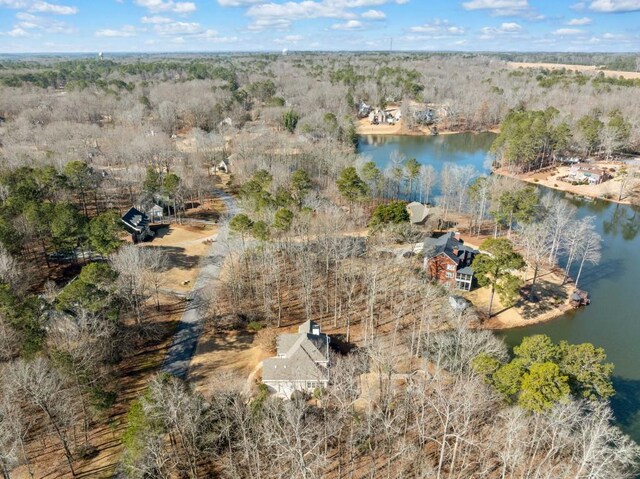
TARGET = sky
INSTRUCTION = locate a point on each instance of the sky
(87, 26)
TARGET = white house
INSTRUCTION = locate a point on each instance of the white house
(301, 364)
(589, 173)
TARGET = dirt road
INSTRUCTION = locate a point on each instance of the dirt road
(188, 332)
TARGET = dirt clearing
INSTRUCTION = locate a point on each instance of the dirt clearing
(185, 246)
(581, 68)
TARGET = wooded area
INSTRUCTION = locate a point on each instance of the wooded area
(418, 388)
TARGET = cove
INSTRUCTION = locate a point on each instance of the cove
(612, 321)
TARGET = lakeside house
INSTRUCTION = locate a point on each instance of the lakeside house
(448, 260)
(137, 223)
(586, 172)
(301, 364)
(418, 212)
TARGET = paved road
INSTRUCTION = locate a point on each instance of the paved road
(188, 332)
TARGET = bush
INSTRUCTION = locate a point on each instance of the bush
(255, 326)
(390, 213)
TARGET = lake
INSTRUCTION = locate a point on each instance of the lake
(612, 321)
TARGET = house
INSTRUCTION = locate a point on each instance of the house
(137, 223)
(448, 261)
(157, 213)
(418, 212)
(301, 364)
(586, 172)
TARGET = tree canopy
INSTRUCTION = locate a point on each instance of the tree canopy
(542, 373)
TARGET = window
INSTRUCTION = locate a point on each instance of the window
(449, 275)
(451, 267)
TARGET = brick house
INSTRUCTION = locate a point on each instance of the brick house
(448, 261)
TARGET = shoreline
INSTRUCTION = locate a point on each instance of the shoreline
(554, 301)
(534, 178)
(397, 130)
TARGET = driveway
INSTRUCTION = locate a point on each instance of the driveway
(189, 329)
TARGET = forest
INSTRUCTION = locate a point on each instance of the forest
(418, 388)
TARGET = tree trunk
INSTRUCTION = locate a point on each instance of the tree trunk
(533, 282)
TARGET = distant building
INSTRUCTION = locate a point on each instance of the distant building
(301, 364)
(587, 172)
(137, 223)
(448, 261)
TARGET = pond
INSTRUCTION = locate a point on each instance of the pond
(612, 321)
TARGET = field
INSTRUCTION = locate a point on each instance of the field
(581, 68)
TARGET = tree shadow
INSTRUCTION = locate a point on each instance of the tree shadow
(161, 230)
(547, 296)
(177, 258)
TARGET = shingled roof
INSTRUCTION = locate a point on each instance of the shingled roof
(301, 357)
(135, 219)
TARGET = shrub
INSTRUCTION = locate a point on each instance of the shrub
(255, 326)
(390, 213)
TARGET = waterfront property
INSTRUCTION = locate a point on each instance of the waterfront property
(584, 172)
(301, 364)
(448, 260)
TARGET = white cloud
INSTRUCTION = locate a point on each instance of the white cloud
(29, 21)
(281, 15)
(18, 32)
(612, 6)
(510, 27)
(580, 21)
(45, 7)
(14, 3)
(238, 3)
(349, 25)
(498, 6)
(374, 15)
(564, 32)
(506, 28)
(439, 28)
(125, 31)
(156, 19)
(167, 6)
(178, 28)
(505, 8)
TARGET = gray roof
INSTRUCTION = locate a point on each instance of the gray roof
(466, 270)
(302, 356)
(442, 244)
(418, 212)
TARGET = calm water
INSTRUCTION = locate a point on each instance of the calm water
(463, 149)
(613, 318)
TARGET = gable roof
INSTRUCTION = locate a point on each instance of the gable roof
(442, 244)
(135, 219)
(418, 212)
(302, 356)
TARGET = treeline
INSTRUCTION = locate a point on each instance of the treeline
(611, 61)
(531, 140)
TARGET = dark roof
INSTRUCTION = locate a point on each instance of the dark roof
(441, 244)
(135, 219)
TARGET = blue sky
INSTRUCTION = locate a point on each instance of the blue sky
(272, 25)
